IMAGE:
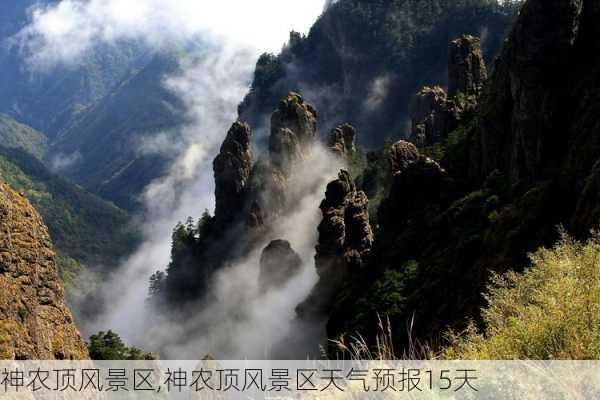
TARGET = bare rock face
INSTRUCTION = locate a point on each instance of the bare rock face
(35, 322)
(293, 133)
(401, 155)
(466, 66)
(525, 123)
(295, 115)
(285, 150)
(342, 140)
(433, 116)
(232, 170)
(345, 242)
(278, 264)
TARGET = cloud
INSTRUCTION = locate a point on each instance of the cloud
(213, 77)
(63, 33)
(378, 92)
(62, 162)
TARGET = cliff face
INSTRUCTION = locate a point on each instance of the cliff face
(35, 322)
(342, 140)
(362, 56)
(434, 114)
(232, 170)
(344, 243)
(293, 133)
(278, 264)
(466, 67)
(525, 115)
(525, 160)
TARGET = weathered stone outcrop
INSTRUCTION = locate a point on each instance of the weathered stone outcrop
(428, 116)
(434, 114)
(293, 133)
(297, 116)
(342, 140)
(420, 188)
(401, 155)
(232, 170)
(278, 264)
(466, 66)
(345, 242)
(525, 119)
(35, 322)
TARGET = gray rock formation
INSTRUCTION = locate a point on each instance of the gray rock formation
(345, 242)
(232, 170)
(278, 264)
(293, 133)
(466, 66)
(35, 322)
(401, 155)
(342, 140)
(433, 116)
(523, 127)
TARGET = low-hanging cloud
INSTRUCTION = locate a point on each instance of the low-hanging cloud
(224, 39)
(63, 33)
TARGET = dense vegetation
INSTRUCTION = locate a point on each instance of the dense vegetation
(110, 346)
(551, 311)
(82, 226)
(107, 136)
(48, 99)
(19, 136)
(363, 60)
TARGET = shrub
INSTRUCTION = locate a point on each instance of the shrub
(551, 311)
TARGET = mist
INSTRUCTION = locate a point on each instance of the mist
(224, 40)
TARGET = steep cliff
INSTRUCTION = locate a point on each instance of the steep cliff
(293, 133)
(278, 264)
(523, 162)
(344, 243)
(232, 170)
(435, 114)
(35, 322)
(362, 57)
(466, 67)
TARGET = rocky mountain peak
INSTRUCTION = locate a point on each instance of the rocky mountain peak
(278, 264)
(35, 322)
(435, 113)
(232, 170)
(342, 140)
(433, 116)
(466, 67)
(401, 155)
(293, 133)
(528, 106)
(345, 241)
(298, 117)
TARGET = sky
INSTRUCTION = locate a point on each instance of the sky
(63, 33)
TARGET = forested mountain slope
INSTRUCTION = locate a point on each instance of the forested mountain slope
(363, 60)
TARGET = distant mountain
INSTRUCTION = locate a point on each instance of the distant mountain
(105, 138)
(96, 112)
(13, 134)
(83, 227)
(47, 100)
(363, 60)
